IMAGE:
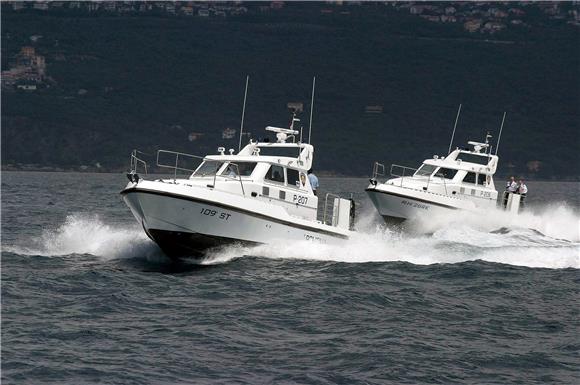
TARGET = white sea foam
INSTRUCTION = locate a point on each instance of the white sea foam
(425, 250)
(547, 238)
(88, 234)
(554, 220)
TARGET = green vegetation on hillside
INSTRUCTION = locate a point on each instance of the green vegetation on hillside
(124, 82)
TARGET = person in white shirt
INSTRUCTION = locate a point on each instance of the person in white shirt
(523, 191)
(313, 181)
(522, 188)
(510, 187)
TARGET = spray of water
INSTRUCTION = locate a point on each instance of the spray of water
(548, 238)
(88, 234)
(556, 220)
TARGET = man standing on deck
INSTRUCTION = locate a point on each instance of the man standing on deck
(313, 181)
(523, 191)
(510, 187)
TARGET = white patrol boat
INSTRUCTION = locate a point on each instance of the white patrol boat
(461, 180)
(259, 195)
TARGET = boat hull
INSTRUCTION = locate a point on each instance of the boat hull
(396, 207)
(186, 226)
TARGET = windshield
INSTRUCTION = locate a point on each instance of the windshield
(447, 173)
(472, 158)
(208, 168)
(425, 170)
(244, 169)
(290, 152)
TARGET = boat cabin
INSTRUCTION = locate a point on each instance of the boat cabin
(271, 172)
(464, 174)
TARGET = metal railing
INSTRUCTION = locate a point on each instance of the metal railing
(404, 172)
(334, 210)
(177, 165)
(442, 178)
(136, 161)
(378, 170)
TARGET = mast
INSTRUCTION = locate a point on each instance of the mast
(499, 136)
(454, 127)
(311, 109)
(243, 113)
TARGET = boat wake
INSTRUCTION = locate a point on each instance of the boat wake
(547, 238)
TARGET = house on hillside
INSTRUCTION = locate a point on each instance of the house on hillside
(41, 6)
(493, 27)
(374, 109)
(193, 136)
(472, 25)
(448, 19)
(450, 11)
(187, 10)
(228, 133)
(29, 67)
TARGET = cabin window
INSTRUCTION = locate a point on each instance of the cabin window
(425, 170)
(469, 178)
(447, 173)
(208, 168)
(245, 169)
(273, 150)
(275, 174)
(482, 159)
(282, 194)
(265, 190)
(292, 177)
(483, 179)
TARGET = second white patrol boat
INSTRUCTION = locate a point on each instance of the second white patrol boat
(461, 180)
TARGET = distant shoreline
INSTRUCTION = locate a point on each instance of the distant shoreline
(320, 174)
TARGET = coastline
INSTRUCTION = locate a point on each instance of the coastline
(324, 174)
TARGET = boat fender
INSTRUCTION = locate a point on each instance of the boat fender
(133, 177)
(373, 181)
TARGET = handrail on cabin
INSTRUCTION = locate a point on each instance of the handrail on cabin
(176, 166)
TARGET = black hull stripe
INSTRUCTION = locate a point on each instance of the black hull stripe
(184, 244)
(232, 208)
(413, 198)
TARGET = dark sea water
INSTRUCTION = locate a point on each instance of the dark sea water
(88, 299)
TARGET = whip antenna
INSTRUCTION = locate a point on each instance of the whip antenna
(311, 108)
(454, 127)
(243, 112)
(499, 136)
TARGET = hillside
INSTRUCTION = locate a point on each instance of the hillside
(118, 82)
